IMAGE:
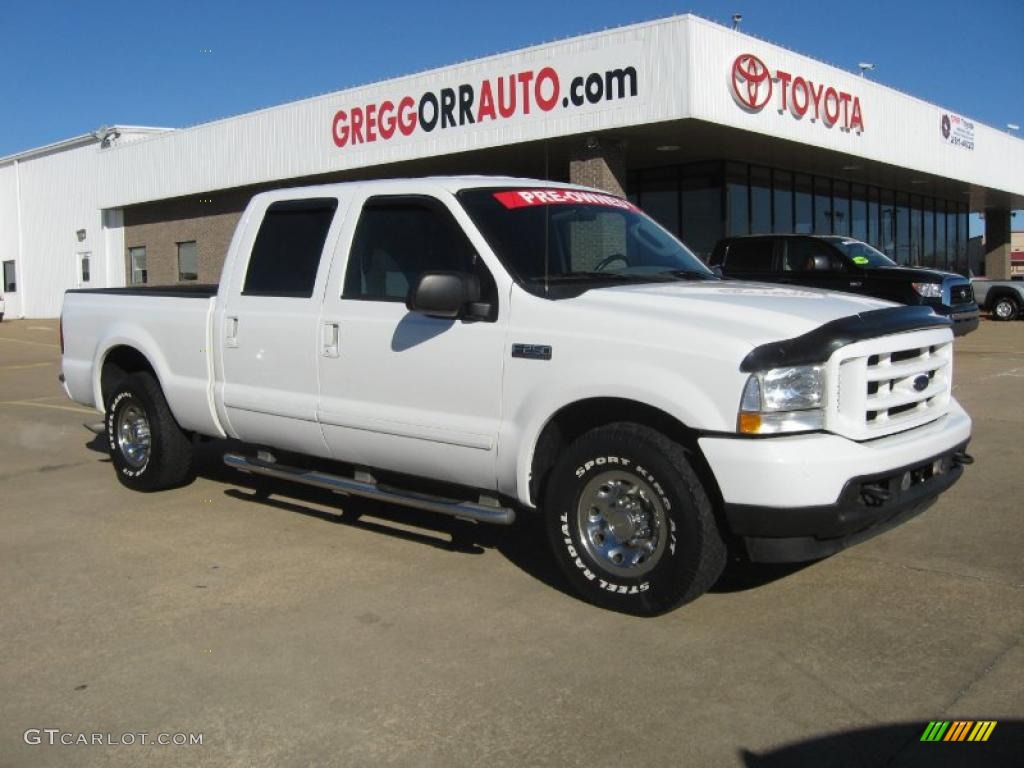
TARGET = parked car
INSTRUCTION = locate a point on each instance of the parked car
(484, 347)
(1002, 299)
(844, 264)
(3, 307)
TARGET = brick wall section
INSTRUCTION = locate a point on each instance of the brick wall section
(208, 219)
(599, 163)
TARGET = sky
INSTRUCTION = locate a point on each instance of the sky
(66, 68)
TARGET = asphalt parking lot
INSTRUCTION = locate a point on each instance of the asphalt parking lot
(298, 629)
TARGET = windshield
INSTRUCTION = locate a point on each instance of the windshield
(552, 238)
(860, 253)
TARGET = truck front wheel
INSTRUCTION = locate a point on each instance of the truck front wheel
(630, 523)
(148, 448)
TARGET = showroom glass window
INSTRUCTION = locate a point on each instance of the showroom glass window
(840, 208)
(782, 202)
(951, 244)
(137, 261)
(760, 200)
(916, 231)
(737, 198)
(942, 260)
(928, 232)
(660, 197)
(188, 261)
(803, 204)
(702, 208)
(822, 206)
(873, 236)
(859, 212)
(902, 229)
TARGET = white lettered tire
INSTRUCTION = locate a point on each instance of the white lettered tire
(149, 450)
(629, 522)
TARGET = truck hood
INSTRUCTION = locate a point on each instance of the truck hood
(755, 312)
(918, 274)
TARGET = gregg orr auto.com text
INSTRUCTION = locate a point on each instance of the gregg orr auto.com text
(497, 98)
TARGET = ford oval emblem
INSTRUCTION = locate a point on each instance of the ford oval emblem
(921, 382)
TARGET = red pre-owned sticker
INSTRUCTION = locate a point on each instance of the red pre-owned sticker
(524, 198)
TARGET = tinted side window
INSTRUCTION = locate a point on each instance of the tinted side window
(750, 256)
(286, 254)
(801, 256)
(397, 240)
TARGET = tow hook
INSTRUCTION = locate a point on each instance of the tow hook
(962, 458)
(875, 495)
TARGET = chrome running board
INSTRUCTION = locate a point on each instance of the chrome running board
(488, 510)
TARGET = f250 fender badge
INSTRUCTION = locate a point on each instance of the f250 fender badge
(532, 351)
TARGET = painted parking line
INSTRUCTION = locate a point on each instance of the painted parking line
(32, 404)
(33, 343)
(25, 365)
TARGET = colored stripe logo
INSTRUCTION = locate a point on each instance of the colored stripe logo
(958, 730)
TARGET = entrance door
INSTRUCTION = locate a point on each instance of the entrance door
(267, 328)
(399, 390)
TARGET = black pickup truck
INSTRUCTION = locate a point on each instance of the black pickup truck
(843, 264)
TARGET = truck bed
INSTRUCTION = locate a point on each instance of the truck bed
(192, 291)
(172, 323)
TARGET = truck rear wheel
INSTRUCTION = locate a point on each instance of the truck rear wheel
(630, 523)
(1005, 308)
(149, 450)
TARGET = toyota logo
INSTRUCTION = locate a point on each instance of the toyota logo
(921, 382)
(751, 82)
(945, 126)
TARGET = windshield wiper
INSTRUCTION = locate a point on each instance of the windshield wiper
(691, 274)
(594, 275)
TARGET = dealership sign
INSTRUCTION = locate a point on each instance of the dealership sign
(754, 86)
(501, 98)
(957, 131)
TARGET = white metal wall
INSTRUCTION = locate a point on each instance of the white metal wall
(684, 69)
(59, 195)
(898, 129)
(9, 231)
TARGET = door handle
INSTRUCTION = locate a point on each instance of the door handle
(329, 335)
(230, 331)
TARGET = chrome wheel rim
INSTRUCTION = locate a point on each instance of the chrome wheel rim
(133, 437)
(622, 523)
(1003, 309)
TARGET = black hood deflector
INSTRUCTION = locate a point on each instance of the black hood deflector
(818, 345)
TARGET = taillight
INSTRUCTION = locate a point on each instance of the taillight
(60, 327)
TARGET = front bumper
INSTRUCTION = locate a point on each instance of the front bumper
(868, 506)
(965, 317)
(803, 497)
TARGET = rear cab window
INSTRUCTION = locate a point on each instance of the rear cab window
(749, 255)
(286, 254)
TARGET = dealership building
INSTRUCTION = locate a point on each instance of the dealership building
(713, 132)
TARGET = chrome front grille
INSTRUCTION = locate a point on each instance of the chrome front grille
(890, 384)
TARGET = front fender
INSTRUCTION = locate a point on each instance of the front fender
(673, 393)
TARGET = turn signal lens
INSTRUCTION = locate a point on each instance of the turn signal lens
(750, 423)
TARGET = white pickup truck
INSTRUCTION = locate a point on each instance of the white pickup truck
(526, 347)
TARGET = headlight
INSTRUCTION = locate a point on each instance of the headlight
(928, 290)
(783, 400)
